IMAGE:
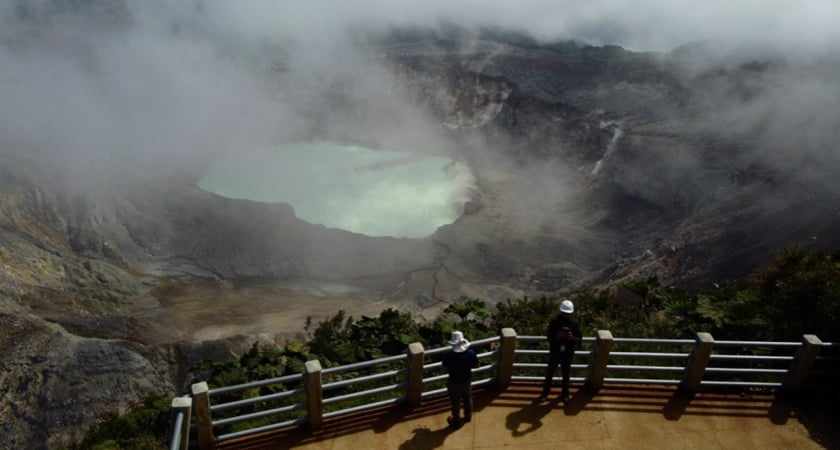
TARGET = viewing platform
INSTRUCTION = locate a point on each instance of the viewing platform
(616, 417)
(626, 393)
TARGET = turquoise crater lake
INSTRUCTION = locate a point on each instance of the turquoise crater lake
(367, 191)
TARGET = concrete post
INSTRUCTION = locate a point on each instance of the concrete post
(180, 430)
(697, 362)
(802, 362)
(507, 352)
(601, 354)
(314, 394)
(414, 391)
(204, 425)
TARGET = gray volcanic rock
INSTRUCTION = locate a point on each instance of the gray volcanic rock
(54, 382)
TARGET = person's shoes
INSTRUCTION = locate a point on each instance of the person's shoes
(543, 399)
(453, 422)
(467, 419)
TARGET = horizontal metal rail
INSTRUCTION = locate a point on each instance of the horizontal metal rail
(363, 364)
(745, 370)
(392, 401)
(486, 368)
(770, 344)
(544, 352)
(433, 393)
(262, 429)
(483, 382)
(258, 414)
(481, 342)
(533, 338)
(740, 383)
(353, 395)
(648, 355)
(641, 381)
(544, 365)
(255, 384)
(520, 351)
(654, 341)
(437, 351)
(473, 345)
(363, 379)
(435, 378)
(717, 356)
(434, 365)
(643, 368)
(521, 378)
(250, 401)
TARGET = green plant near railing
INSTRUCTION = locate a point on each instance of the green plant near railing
(138, 429)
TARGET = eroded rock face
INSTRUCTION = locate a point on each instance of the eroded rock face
(55, 383)
(593, 165)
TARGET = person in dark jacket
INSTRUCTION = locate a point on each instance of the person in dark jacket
(563, 335)
(459, 363)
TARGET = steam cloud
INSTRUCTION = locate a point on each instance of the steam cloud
(100, 86)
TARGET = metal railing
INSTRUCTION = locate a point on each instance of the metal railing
(316, 394)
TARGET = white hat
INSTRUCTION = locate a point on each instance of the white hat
(567, 306)
(459, 344)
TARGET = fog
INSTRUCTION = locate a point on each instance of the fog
(650, 25)
(147, 87)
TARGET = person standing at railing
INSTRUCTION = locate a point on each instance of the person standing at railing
(459, 363)
(563, 335)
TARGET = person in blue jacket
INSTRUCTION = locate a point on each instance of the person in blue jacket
(459, 363)
(563, 335)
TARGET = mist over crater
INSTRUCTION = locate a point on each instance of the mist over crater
(374, 192)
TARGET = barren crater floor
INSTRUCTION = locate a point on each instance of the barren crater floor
(208, 311)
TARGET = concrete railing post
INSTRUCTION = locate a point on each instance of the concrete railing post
(180, 430)
(697, 362)
(601, 354)
(314, 394)
(507, 353)
(203, 421)
(802, 362)
(414, 391)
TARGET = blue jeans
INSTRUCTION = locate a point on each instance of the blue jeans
(460, 393)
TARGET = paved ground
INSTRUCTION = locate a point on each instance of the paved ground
(613, 418)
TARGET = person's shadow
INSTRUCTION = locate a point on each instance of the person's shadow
(425, 439)
(528, 418)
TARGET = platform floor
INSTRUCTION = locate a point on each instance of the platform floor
(623, 417)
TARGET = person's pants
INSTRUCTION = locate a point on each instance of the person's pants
(564, 360)
(460, 393)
